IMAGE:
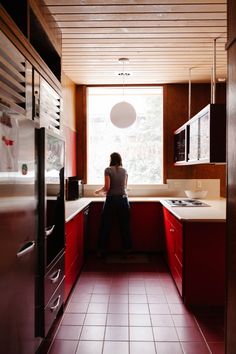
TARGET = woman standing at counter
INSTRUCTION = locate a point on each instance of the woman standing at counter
(116, 203)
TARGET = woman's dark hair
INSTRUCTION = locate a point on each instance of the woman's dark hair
(116, 159)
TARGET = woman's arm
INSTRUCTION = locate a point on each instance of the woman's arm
(106, 186)
(126, 181)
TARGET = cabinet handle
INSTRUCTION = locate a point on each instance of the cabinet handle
(55, 276)
(27, 248)
(49, 230)
(57, 303)
(172, 230)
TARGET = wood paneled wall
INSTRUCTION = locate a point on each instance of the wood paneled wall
(81, 126)
(175, 114)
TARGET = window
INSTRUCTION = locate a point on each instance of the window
(140, 145)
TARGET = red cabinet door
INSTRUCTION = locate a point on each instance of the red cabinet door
(147, 226)
(174, 247)
(146, 223)
(74, 251)
(195, 252)
(169, 242)
(205, 263)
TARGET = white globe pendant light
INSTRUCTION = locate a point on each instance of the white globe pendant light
(123, 114)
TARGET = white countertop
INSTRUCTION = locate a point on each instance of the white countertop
(216, 212)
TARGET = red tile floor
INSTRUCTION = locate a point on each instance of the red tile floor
(133, 308)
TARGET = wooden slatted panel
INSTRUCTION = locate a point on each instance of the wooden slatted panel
(162, 39)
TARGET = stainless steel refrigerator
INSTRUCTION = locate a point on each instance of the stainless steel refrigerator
(18, 224)
(18, 203)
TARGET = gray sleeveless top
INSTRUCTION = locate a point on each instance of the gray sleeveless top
(117, 180)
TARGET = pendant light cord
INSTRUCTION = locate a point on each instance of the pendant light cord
(123, 80)
(123, 61)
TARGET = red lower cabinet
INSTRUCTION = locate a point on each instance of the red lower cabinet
(146, 223)
(147, 226)
(174, 248)
(195, 253)
(74, 251)
(205, 263)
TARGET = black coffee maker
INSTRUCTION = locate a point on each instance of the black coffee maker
(74, 188)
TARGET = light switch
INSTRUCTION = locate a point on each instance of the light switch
(199, 184)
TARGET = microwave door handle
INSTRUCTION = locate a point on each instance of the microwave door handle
(49, 230)
(25, 249)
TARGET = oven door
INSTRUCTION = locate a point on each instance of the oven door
(54, 233)
(54, 190)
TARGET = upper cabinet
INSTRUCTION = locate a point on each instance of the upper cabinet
(36, 30)
(203, 138)
(40, 40)
(15, 81)
(18, 11)
(30, 63)
(50, 107)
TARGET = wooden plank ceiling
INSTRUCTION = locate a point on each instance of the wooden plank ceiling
(162, 40)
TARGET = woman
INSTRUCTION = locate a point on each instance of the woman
(116, 203)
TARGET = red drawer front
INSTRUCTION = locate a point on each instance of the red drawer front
(74, 241)
(178, 280)
(169, 243)
(72, 275)
(70, 226)
(74, 248)
(179, 245)
(178, 225)
(178, 275)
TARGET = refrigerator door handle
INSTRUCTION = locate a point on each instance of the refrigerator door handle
(49, 230)
(25, 249)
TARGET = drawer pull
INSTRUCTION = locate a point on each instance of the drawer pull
(172, 230)
(49, 230)
(57, 303)
(55, 276)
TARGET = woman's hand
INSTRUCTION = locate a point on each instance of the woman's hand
(103, 191)
(100, 191)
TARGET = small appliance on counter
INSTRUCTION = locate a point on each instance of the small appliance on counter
(74, 188)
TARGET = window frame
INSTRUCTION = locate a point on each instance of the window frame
(136, 186)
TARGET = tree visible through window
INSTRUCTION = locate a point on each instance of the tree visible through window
(140, 145)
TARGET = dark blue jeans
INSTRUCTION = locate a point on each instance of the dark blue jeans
(118, 207)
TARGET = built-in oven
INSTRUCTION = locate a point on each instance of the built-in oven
(54, 232)
(51, 195)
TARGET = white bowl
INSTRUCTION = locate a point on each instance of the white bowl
(196, 194)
